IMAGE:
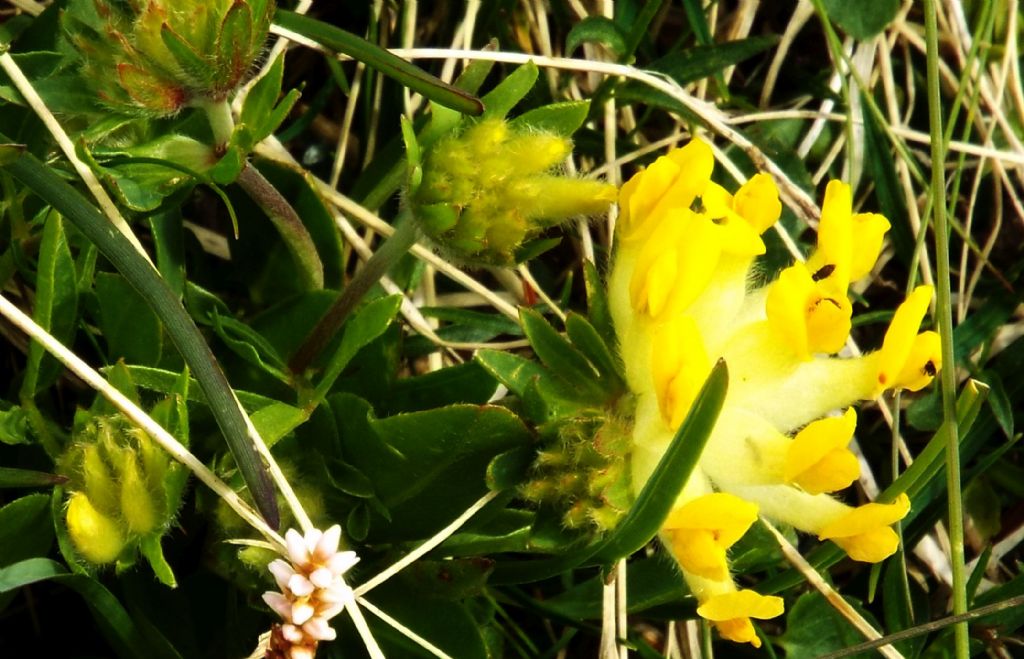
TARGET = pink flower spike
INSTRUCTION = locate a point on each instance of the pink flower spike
(300, 586)
(297, 551)
(279, 603)
(328, 545)
(318, 628)
(343, 562)
(321, 577)
(301, 612)
(282, 572)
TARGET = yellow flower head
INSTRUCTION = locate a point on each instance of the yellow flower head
(680, 298)
(731, 614)
(701, 530)
(818, 460)
(864, 532)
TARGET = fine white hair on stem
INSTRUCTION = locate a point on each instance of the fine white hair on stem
(139, 418)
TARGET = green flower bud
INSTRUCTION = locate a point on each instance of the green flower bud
(154, 57)
(96, 537)
(141, 506)
(486, 191)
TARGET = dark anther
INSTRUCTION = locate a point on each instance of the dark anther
(929, 368)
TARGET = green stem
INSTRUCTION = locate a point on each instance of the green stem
(386, 256)
(180, 327)
(945, 325)
(288, 223)
(221, 122)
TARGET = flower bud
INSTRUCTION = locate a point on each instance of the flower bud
(486, 191)
(154, 57)
(140, 506)
(97, 537)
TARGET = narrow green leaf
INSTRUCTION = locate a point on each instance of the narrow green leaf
(589, 342)
(153, 552)
(510, 91)
(563, 118)
(25, 529)
(262, 98)
(658, 495)
(564, 360)
(365, 326)
(596, 29)
(10, 477)
(597, 303)
(179, 325)
(56, 306)
(132, 331)
(377, 58)
(277, 420)
(511, 370)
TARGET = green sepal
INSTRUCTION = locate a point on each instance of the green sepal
(507, 94)
(192, 63)
(559, 118)
(233, 43)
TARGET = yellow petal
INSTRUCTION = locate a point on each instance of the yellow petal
(835, 232)
(738, 630)
(871, 546)
(836, 470)
(741, 604)
(814, 443)
(716, 200)
(679, 366)
(97, 538)
(757, 202)
(869, 230)
(739, 238)
(864, 531)
(726, 515)
(901, 337)
(672, 181)
(698, 553)
(786, 307)
(924, 361)
(828, 321)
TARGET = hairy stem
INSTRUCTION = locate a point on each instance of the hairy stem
(288, 224)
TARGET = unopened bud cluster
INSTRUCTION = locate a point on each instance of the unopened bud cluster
(312, 591)
(154, 57)
(122, 489)
(490, 188)
(582, 473)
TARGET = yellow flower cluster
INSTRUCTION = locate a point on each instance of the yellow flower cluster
(681, 298)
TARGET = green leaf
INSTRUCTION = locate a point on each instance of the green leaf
(25, 529)
(813, 628)
(383, 61)
(658, 495)
(897, 608)
(56, 305)
(277, 420)
(563, 118)
(113, 621)
(589, 342)
(652, 582)
(132, 331)
(362, 328)
(507, 94)
(163, 381)
(261, 99)
(597, 303)
(248, 344)
(461, 383)
(511, 370)
(10, 477)
(153, 552)
(560, 356)
(596, 29)
(862, 20)
(14, 426)
(426, 467)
